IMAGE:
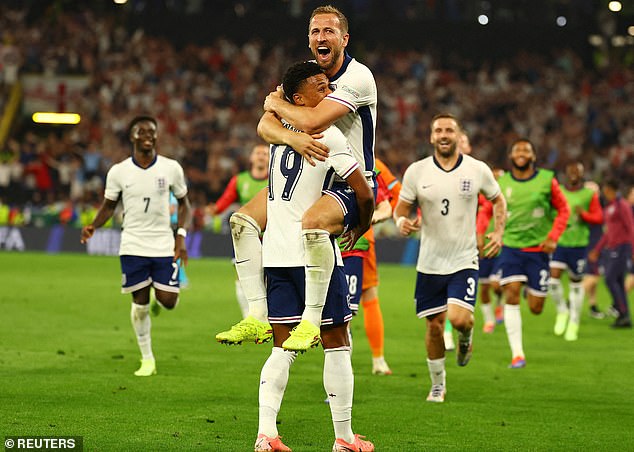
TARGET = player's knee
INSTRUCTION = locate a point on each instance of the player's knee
(335, 337)
(537, 309)
(167, 300)
(536, 305)
(436, 326)
(511, 294)
(240, 222)
(463, 324)
(461, 319)
(312, 220)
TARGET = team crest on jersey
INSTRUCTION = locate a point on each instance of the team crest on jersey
(161, 184)
(466, 187)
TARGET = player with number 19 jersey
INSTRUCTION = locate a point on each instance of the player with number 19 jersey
(448, 201)
(291, 177)
(144, 193)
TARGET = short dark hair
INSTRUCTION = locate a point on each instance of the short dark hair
(138, 119)
(295, 76)
(523, 140)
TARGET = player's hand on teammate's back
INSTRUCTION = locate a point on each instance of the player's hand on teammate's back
(308, 147)
(272, 98)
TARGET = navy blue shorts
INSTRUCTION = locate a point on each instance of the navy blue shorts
(345, 197)
(527, 267)
(138, 272)
(433, 292)
(572, 259)
(285, 292)
(353, 268)
(489, 269)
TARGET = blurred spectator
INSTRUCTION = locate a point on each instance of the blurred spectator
(208, 97)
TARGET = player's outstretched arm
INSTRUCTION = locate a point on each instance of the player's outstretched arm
(184, 220)
(103, 214)
(271, 130)
(365, 201)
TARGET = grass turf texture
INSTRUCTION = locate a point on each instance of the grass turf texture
(67, 356)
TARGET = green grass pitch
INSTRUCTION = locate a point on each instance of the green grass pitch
(67, 356)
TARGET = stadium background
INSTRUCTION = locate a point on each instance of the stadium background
(558, 71)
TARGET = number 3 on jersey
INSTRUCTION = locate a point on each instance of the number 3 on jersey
(291, 164)
(445, 207)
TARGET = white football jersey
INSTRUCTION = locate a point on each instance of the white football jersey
(294, 186)
(354, 87)
(144, 194)
(448, 201)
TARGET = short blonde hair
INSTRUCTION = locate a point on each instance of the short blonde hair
(329, 9)
(447, 116)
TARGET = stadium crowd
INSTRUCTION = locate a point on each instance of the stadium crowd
(208, 99)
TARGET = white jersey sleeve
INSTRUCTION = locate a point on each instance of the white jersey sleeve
(179, 185)
(354, 86)
(490, 187)
(114, 185)
(408, 186)
(340, 157)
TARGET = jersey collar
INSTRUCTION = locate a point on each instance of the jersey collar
(532, 176)
(346, 61)
(458, 162)
(149, 166)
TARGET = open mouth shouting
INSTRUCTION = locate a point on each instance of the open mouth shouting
(323, 53)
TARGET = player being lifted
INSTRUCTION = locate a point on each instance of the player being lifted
(294, 186)
(351, 107)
